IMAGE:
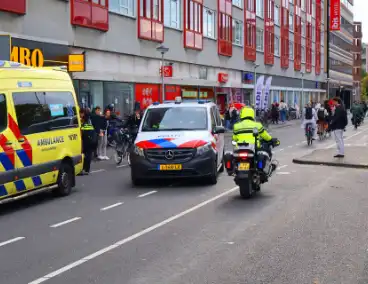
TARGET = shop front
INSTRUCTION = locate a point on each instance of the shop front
(100, 93)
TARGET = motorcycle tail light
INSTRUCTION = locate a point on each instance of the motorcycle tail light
(228, 165)
(243, 155)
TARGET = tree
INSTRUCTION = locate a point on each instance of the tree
(364, 88)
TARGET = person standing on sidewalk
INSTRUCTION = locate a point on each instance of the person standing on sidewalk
(102, 139)
(338, 123)
(283, 110)
(97, 122)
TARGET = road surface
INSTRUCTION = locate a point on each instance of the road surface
(308, 225)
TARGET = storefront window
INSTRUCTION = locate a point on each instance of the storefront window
(97, 94)
(206, 93)
(237, 95)
(119, 94)
(275, 96)
(290, 98)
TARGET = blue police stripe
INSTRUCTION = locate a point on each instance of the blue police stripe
(24, 158)
(37, 181)
(19, 185)
(5, 161)
(163, 143)
(3, 191)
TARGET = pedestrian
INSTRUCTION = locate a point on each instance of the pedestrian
(274, 114)
(283, 109)
(97, 122)
(89, 140)
(227, 117)
(102, 139)
(338, 123)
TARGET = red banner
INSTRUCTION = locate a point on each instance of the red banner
(335, 15)
(147, 94)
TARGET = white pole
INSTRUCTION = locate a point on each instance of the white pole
(255, 92)
(303, 88)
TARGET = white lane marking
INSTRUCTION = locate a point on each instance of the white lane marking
(284, 166)
(297, 144)
(122, 166)
(283, 173)
(65, 222)
(290, 146)
(97, 171)
(281, 150)
(147, 193)
(131, 238)
(11, 241)
(111, 206)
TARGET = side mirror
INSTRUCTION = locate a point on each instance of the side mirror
(255, 131)
(219, 129)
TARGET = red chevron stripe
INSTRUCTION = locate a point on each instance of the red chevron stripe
(9, 151)
(27, 147)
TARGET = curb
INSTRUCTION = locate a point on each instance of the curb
(330, 164)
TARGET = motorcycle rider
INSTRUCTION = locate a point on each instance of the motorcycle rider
(357, 112)
(243, 133)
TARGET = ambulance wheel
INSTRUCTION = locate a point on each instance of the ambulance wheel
(65, 180)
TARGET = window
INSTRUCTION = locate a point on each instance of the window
(259, 40)
(259, 8)
(168, 118)
(238, 32)
(291, 50)
(291, 22)
(237, 3)
(150, 20)
(124, 7)
(277, 15)
(303, 28)
(90, 13)
(250, 30)
(225, 23)
(172, 13)
(303, 54)
(303, 5)
(39, 112)
(13, 6)
(277, 46)
(208, 23)
(3, 113)
(193, 24)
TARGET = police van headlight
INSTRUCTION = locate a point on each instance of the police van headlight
(138, 151)
(204, 149)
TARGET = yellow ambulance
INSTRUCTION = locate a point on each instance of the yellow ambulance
(40, 137)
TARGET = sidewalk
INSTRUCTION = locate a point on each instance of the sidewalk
(355, 157)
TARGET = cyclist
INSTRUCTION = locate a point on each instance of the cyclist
(310, 116)
(322, 115)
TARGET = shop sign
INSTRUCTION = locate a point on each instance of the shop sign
(38, 54)
(223, 78)
(171, 92)
(27, 57)
(335, 15)
(247, 77)
(76, 63)
(168, 71)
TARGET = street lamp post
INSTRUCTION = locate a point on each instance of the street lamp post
(328, 88)
(302, 73)
(162, 49)
(255, 65)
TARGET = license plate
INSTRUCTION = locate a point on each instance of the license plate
(171, 167)
(243, 166)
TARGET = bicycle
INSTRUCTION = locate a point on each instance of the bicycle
(124, 141)
(322, 130)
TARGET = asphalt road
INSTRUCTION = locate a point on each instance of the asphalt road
(308, 225)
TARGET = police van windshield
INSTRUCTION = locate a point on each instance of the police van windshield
(175, 119)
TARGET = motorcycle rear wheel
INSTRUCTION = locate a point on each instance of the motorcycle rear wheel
(246, 189)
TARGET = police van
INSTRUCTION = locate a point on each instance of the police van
(40, 138)
(179, 140)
